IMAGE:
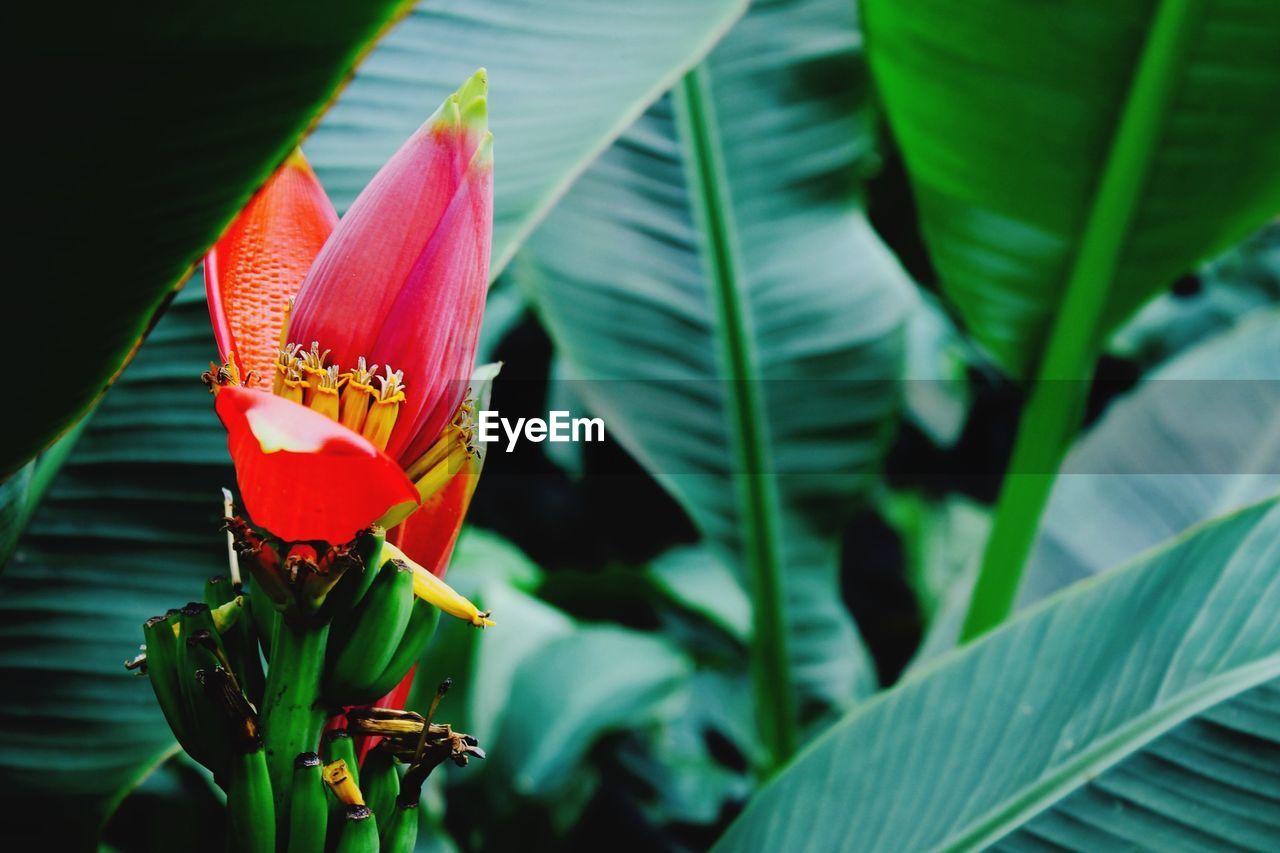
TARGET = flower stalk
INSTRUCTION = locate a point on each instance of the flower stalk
(294, 716)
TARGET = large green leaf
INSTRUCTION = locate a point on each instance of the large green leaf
(543, 690)
(188, 114)
(1244, 279)
(15, 499)
(143, 129)
(565, 78)
(128, 530)
(1117, 142)
(1069, 160)
(1141, 707)
(22, 492)
(593, 680)
(715, 287)
(1198, 438)
(1161, 460)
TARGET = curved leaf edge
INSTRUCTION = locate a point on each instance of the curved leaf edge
(1092, 762)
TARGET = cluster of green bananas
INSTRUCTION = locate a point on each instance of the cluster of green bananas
(204, 666)
(340, 805)
(335, 629)
(379, 639)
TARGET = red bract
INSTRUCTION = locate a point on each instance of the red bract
(283, 450)
(430, 534)
(257, 267)
(324, 442)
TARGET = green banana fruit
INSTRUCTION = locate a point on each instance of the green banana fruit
(251, 817)
(338, 746)
(162, 648)
(380, 785)
(265, 615)
(239, 634)
(371, 635)
(359, 831)
(308, 807)
(197, 647)
(417, 635)
(401, 835)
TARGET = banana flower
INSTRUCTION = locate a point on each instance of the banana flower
(348, 345)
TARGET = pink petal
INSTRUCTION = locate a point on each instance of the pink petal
(432, 329)
(364, 266)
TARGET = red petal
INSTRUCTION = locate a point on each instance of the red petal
(260, 263)
(303, 476)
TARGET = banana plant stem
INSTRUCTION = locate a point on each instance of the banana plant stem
(293, 717)
(1054, 409)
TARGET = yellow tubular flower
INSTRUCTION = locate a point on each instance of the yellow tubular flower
(291, 386)
(338, 777)
(386, 406)
(433, 590)
(313, 369)
(226, 615)
(357, 393)
(288, 309)
(285, 362)
(324, 396)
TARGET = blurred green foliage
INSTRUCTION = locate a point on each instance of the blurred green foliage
(734, 223)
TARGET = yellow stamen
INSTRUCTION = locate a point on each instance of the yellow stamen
(285, 360)
(313, 368)
(357, 392)
(219, 376)
(338, 777)
(454, 454)
(382, 414)
(230, 372)
(434, 591)
(324, 394)
(292, 386)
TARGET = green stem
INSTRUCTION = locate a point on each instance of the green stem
(756, 486)
(1054, 410)
(293, 717)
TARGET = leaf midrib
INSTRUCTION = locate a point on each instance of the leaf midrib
(711, 201)
(1056, 405)
(1105, 753)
